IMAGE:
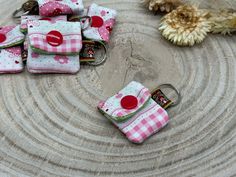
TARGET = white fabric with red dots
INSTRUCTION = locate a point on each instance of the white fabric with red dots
(39, 63)
(26, 18)
(103, 21)
(10, 60)
(49, 8)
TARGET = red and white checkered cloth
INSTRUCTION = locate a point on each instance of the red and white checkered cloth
(72, 44)
(69, 43)
(145, 123)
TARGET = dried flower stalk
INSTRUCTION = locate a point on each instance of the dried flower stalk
(162, 5)
(223, 22)
(185, 26)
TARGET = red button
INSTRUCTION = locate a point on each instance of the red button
(54, 38)
(129, 102)
(47, 19)
(2, 37)
(97, 22)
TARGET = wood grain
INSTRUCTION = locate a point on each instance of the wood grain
(49, 125)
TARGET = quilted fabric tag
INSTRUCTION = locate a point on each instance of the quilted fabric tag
(59, 38)
(134, 112)
(10, 60)
(10, 36)
(26, 18)
(39, 63)
(49, 8)
(103, 21)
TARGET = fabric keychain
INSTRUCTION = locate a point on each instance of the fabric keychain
(133, 110)
(89, 49)
(60, 7)
(103, 21)
(53, 47)
(28, 8)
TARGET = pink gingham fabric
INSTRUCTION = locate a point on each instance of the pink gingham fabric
(145, 123)
(71, 32)
(140, 123)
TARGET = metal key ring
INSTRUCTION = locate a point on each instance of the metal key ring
(17, 11)
(99, 62)
(26, 8)
(79, 18)
(176, 91)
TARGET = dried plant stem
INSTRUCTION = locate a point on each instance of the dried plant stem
(162, 5)
(223, 22)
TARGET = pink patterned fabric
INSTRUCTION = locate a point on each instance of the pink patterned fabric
(113, 108)
(146, 123)
(39, 63)
(69, 46)
(105, 30)
(49, 8)
(10, 60)
(71, 33)
(137, 124)
(103, 21)
(26, 18)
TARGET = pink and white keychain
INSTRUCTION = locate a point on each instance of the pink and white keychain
(103, 21)
(49, 8)
(136, 112)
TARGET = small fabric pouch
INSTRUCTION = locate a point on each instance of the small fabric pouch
(49, 8)
(26, 18)
(10, 60)
(39, 63)
(134, 112)
(10, 36)
(103, 21)
(58, 38)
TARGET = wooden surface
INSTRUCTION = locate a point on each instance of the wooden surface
(49, 125)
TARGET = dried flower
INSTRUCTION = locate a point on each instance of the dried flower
(223, 22)
(185, 26)
(162, 5)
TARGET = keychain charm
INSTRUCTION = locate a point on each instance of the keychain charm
(88, 54)
(160, 98)
(135, 113)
